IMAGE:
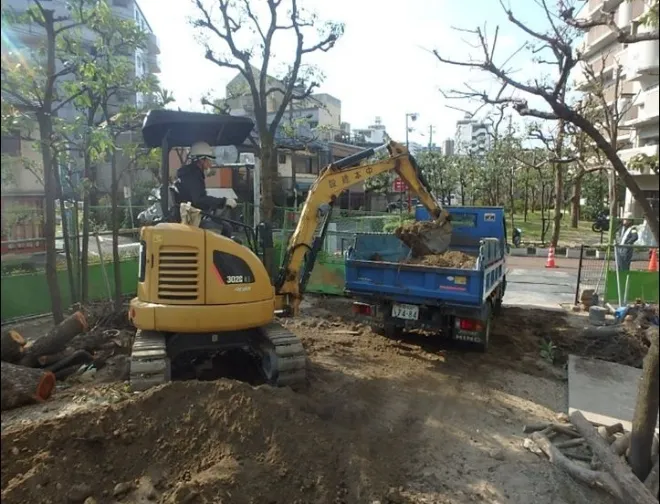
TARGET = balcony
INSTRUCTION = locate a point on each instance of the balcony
(153, 44)
(153, 61)
(646, 106)
(628, 154)
(643, 59)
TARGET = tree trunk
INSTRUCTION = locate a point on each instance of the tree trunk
(268, 177)
(66, 237)
(646, 411)
(559, 192)
(84, 252)
(575, 200)
(45, 133)
(21, 385)
(114, 195)
(526, 202)
(613, 157)
(559, 183)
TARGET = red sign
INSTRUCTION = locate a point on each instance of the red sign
(399, 185)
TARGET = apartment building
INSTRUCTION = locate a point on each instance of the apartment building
(21, 161)
(638, 131)
(317, 139)
(472, 137)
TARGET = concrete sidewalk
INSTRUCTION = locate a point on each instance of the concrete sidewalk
(540, 288)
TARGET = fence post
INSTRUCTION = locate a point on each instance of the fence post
(579, 275)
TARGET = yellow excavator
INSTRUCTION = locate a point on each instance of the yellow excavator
(200, 293)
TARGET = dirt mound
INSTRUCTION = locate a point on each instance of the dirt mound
(451, 259)
(555, 335)
(203, 442)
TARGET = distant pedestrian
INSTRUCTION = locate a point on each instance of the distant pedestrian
(628, 236)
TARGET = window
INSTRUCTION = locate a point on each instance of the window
(11, 145)
(653, 197)
(281, 158)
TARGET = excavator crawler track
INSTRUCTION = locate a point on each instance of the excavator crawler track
(283, 357)
(150, 365)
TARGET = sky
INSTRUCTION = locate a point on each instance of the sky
(382, 66)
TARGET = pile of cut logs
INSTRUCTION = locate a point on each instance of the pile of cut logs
(30, 370)
(595, 455)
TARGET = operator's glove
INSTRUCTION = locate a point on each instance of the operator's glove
(230, 202)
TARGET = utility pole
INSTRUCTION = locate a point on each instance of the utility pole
(431, 130)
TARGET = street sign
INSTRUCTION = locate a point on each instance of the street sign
(127, 192)
(399, 185)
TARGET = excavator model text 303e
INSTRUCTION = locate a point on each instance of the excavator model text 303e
(200, 293)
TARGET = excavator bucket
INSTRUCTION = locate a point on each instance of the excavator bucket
(426, 237)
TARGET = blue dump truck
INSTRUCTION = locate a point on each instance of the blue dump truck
(392, 295)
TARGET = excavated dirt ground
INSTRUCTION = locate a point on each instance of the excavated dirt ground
(405, 421)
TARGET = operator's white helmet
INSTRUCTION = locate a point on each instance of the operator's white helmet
(201, 149)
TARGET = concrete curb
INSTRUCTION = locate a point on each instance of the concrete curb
(569, 253)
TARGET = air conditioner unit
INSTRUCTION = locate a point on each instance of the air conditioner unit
(246, 158)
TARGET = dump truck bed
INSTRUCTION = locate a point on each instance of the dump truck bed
(378, 264)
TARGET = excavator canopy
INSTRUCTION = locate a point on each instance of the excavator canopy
(182, 129)
(175, 128)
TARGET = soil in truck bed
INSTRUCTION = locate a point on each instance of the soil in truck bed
(451, 259)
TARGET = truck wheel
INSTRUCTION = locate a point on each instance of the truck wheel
(388, 330)
(497, 302)
(483, 346)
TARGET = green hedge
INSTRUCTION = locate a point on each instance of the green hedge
(26, 294)
(642, 285)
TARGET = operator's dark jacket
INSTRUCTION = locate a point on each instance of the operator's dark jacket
(191, 187)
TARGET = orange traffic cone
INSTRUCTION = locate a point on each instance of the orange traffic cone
(550, 263)
(653, 262)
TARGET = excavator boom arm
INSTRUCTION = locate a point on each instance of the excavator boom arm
(332, 181)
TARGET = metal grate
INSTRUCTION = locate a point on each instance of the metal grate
(178, 274)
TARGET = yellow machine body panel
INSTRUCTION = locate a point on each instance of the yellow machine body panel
(195, 280)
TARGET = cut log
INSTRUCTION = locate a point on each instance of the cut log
(11, 346)
(570, 443)
(48, 360)
(652, 482)
(633, 489)
(561, 428)
(78, 357)
(56, 340)
(620, 445)
(20, 385)
(646, 410)
(591, 478)
(66, 372)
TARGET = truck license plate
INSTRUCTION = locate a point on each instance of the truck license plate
(405, 311)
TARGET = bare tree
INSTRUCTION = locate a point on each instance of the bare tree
(40, 98)
(555, 47)
(237, 18)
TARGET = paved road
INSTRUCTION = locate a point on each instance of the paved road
(529, 283)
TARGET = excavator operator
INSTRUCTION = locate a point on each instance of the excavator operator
(190, 187)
